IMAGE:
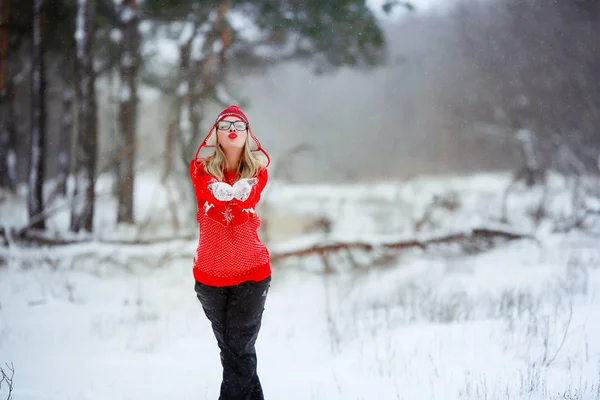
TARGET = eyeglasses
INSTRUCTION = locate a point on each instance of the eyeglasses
(238, 125)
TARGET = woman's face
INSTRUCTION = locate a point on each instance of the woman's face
(229, 137)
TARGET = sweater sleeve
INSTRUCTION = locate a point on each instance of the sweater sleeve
(255, 193)
(201, 180)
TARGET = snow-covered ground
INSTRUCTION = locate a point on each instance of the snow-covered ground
(520, 321)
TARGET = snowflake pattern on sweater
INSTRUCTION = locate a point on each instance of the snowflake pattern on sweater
(227, 215)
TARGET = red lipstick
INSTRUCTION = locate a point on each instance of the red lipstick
(232, 135)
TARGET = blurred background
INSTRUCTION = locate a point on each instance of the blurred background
(357, 91)
(434, 186)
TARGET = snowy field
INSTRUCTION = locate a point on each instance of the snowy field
(519, 321)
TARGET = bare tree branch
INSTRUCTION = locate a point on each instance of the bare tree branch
(4, 378)
(549, 361)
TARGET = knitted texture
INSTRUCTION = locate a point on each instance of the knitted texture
(229, 250)
(233, 110)
(211, 138)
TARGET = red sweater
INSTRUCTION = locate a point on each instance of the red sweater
(229, 250)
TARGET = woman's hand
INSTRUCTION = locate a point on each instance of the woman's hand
(243, 187)
(222, 191)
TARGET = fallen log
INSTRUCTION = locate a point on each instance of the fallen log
(323, 247)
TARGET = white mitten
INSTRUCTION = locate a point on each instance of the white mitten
(242, 188)
(222, 191)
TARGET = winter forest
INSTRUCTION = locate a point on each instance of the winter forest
(432, 212)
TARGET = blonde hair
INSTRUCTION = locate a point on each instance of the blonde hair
(250, 164)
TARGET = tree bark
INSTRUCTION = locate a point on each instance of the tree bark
(82, 212)
(129, 65)
(8, 139)
(183, 93)
(65, 137)
(8, 157)
(35, 200)
(4, 34)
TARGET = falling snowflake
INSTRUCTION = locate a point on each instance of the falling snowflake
(227, 215)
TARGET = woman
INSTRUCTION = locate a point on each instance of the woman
(232, 266)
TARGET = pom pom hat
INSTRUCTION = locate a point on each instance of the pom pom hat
(232, 111)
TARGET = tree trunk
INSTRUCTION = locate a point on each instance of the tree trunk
(181, 113)
(129, 66)
(8, 157)
(191, 116)
(8, 139)
(66, 132)
(4, 34)
(38, 120)
(82, 213)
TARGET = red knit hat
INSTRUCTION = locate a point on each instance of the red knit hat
(232, 111)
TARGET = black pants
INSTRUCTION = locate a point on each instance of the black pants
(235, 313)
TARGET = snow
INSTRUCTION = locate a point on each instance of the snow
(182, 89)
(243, 25)
(82, 184)
(127, 60)
(127, 14)
(186, 33)
(197, 49)
(185, 124)
(217, 46)
(80, 29)
(282, 51)
(103, 320)
(145, 27)
(399, 11)
(125, 94)
(11, 161)
(167, 52)
(116, 35)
